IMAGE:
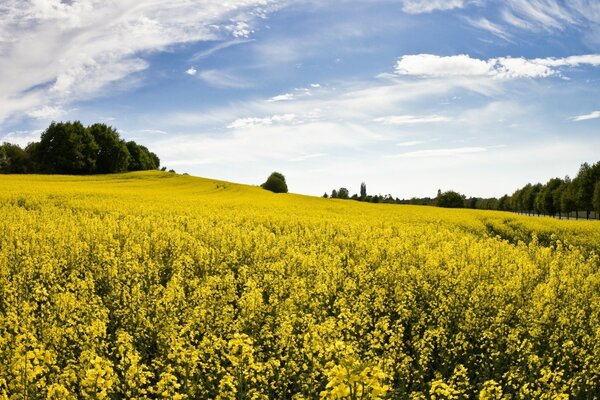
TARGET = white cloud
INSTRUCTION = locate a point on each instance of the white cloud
(586, 117)
(22, 138)
(427, 6)
(410, 143)
(250, 123)
(47, 112)
(315, 85)
(411, 119)
(437, 66)
(66, 51)
(192, 71)
(282, 97)
(430, 65)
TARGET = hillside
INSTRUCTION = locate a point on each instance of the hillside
(157, 285)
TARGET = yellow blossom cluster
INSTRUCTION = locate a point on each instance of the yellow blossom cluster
(160, 286)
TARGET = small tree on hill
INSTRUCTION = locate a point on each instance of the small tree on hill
(275, 183)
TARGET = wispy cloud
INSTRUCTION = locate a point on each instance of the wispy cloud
(65, 51)
(411, 119)
(282, 97)
(218, 47)
(487, 25)
(586, 117)
(427, 6)
(410, 143)
(539, 14)
(47, 112)
(437, 153)
(192, 71)
(308, 157)
(223, 79)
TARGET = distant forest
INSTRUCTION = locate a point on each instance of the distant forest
(562, 198)
(71, 148)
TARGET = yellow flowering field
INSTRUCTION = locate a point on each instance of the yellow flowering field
(157, 285)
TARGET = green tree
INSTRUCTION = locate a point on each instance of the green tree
(568, 202)
(113, 155)
(13, 159)
(450, 199)
(343, 193)
(596, 199)
(584, 188)
(363, 191)
(67, 148)
(141, 159)
(275, 183)
(545, 197)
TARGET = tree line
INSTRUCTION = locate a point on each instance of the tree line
(71, 148)
(344, 194)
(559, 197)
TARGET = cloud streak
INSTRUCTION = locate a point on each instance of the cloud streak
(586, 117)
(59, 52)
(430, 65)
(438, 153)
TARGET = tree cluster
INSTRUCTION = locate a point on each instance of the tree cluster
(575, 198)
(558, 197)
(344, 194)
(71, 148)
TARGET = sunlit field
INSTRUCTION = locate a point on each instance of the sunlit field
(157, 285)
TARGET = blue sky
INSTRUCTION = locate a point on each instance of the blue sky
(409, 96)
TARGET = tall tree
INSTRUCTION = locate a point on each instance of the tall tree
(596, 198)
(141, 158)
(584, 188)
(113, 155)
(13, 159)
(363, 191)
(68, 148)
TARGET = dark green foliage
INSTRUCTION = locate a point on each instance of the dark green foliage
(141, 158)
(71, 148)
(343, 193)
(596, 198)
(67, 148)
(275, 183)
(450, 199)
(14, 160)
(363, 190)
(113, 155)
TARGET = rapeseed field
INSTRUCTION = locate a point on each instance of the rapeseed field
(157, 285)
